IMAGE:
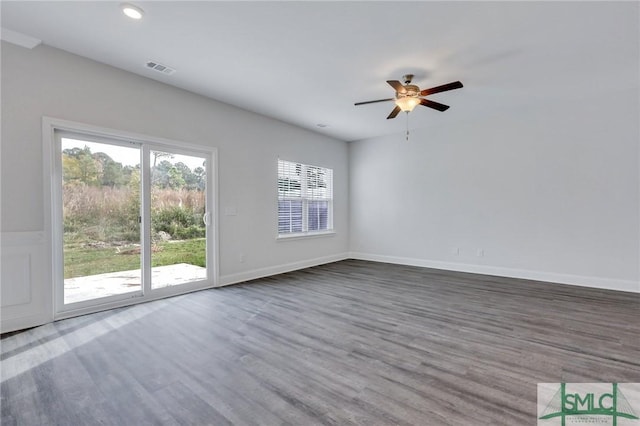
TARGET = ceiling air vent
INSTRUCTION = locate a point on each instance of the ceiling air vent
(160, 68)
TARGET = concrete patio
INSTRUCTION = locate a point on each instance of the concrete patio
(102, 285)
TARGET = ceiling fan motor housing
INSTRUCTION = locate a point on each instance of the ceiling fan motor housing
(411, 90)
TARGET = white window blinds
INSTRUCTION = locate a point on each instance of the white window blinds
(305, 198)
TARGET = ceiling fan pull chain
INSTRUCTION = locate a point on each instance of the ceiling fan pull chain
(407, 125)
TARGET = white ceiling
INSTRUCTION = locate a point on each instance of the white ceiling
(306, 62)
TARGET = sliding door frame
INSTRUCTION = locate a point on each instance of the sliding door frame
(52, 171)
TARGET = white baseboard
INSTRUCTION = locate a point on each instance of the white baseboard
(279, 269)
(577, 280)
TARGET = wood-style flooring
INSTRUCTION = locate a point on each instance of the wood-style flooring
(351, 342)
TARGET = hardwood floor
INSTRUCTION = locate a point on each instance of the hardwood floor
(351, 342)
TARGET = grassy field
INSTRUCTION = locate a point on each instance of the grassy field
(81, 261)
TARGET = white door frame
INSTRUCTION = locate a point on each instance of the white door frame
(52, 171)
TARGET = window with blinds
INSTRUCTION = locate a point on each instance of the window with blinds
(305, 198)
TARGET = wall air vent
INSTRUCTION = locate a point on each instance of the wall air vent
(159, 67)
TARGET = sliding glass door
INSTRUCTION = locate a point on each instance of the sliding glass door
(178, 186)
(101, 220)
(133, 222)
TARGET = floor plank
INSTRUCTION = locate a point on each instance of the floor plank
(349, 343)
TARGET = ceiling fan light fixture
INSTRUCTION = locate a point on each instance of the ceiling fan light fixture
(408, 96)
(407, 103)
(133, 12)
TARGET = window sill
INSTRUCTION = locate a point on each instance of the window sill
(289, 237)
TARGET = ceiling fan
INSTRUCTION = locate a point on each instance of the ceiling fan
(408, 96)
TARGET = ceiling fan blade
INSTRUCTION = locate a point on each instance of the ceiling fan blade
(434, 105)
(395, 112)
(373, 102)
(443, 88)
(397, 85)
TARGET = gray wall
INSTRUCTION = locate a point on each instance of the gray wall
(549, 191)
(49, 82)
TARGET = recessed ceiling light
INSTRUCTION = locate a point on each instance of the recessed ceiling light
(133, 12)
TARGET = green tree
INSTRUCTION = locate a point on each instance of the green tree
(80, 166)
(175, 179)
(111, 171)
(160, 174)
(201, 178)
(133, 212)
(190, 179)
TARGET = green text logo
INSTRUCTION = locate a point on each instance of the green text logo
(593, 403)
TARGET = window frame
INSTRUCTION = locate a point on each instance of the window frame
(305, 199)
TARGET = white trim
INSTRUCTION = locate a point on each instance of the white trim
(279, 269)
(51, 185)
(298, 236)
(53, 223)
(552, 277)
(128, 302)
(109, 133)
(19, 39)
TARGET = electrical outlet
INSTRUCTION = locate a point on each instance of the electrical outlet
(243, 257)
(480, 252)
(455, 251)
